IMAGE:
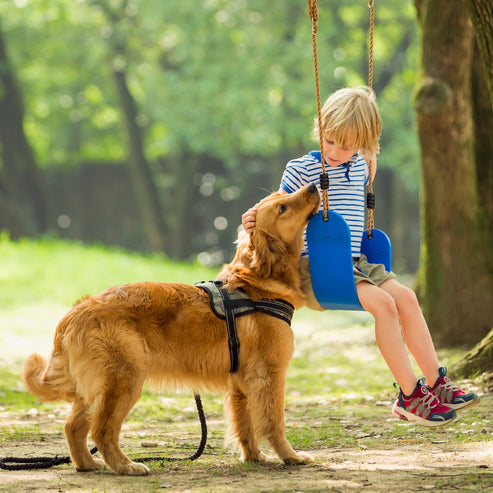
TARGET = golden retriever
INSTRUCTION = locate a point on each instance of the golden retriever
(109, 344)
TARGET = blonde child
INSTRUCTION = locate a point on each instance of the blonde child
(351, 129)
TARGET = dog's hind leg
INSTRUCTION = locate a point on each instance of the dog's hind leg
(107, 420)
(240, 426)
(266, 401)
(76, 431)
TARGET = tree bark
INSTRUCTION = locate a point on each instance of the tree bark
(22, 197)
(453, 284)
(477, 361)
(481, 13)
(145, 189)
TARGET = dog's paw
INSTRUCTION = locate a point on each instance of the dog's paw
(300, 458)
(134, 469)
(258, 456)
(95, 465)
(99, 464)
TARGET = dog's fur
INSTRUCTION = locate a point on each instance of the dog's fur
(109, 344)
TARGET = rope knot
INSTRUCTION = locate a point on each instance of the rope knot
(313, 14)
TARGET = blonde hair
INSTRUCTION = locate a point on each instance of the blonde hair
(352, 109)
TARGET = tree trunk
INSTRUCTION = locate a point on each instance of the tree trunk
(483, 149)
(453, 284)
(477, 361)
(481, 13)
(22, 199)
(145, 189)
(480, 359)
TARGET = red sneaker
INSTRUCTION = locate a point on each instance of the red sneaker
(423, 407)
(450, 395)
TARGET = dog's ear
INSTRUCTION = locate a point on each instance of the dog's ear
(268, 253)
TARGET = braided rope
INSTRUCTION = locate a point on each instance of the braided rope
(313, 15)
(371, 162)
(30, 463)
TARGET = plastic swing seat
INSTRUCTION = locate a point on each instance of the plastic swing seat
(331, 263)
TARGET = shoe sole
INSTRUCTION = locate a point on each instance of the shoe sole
(403, 414)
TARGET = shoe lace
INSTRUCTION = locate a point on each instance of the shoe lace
(429, 400)
(449, 386)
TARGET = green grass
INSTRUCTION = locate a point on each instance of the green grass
(49, 271)
(338, 393)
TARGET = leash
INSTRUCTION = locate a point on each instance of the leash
(31, 463)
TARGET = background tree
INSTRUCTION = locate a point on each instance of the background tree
(480, 358)
(223, 97)
(455, 272)
(143, 182)
(22, 200)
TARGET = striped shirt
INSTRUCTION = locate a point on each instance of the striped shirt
(346, 190)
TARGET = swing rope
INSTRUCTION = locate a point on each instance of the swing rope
(324, 177)
(370, 198)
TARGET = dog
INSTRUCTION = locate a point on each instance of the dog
(107, 345)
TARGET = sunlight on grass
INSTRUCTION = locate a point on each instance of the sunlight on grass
(51, 271)
(337, 375)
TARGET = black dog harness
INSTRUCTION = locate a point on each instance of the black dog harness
(228, 306)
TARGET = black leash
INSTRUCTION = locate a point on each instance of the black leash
(28, 463)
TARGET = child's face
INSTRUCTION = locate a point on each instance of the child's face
(335, 153)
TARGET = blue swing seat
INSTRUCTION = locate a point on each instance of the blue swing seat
(331, 263)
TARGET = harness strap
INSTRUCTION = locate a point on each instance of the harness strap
(228, 306)
(277, 308)
(233, 341)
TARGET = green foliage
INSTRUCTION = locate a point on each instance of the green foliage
(225, 79)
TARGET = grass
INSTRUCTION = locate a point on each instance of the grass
(338, 391)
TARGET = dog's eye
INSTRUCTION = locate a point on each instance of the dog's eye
(282, 209)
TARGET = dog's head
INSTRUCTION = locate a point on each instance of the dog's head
(281, 219)
(272, 251)
(277, 238)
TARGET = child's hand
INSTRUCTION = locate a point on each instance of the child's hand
(248, 219)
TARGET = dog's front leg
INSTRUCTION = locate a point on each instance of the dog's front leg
(266, 401)
(241, 432)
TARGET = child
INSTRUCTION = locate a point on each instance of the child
(351, 129)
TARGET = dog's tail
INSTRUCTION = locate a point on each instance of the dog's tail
(43, 380)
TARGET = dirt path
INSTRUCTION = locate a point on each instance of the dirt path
(378, 455)
(402, 467)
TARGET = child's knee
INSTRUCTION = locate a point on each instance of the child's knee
(387, 306)
(407, 299)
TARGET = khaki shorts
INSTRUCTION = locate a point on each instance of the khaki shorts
(372, 273)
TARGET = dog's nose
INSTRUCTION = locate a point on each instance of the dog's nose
(312, 188)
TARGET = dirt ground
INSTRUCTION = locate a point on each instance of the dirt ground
(439, 465)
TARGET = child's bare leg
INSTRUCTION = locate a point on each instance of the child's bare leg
(415, 329)
(388, 333)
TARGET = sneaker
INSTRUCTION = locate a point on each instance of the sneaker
(423, 407)
(450, 395)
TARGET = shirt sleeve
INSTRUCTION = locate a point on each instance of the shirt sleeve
(295, 176)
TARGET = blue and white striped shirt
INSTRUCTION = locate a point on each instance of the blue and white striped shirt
(346, 191)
